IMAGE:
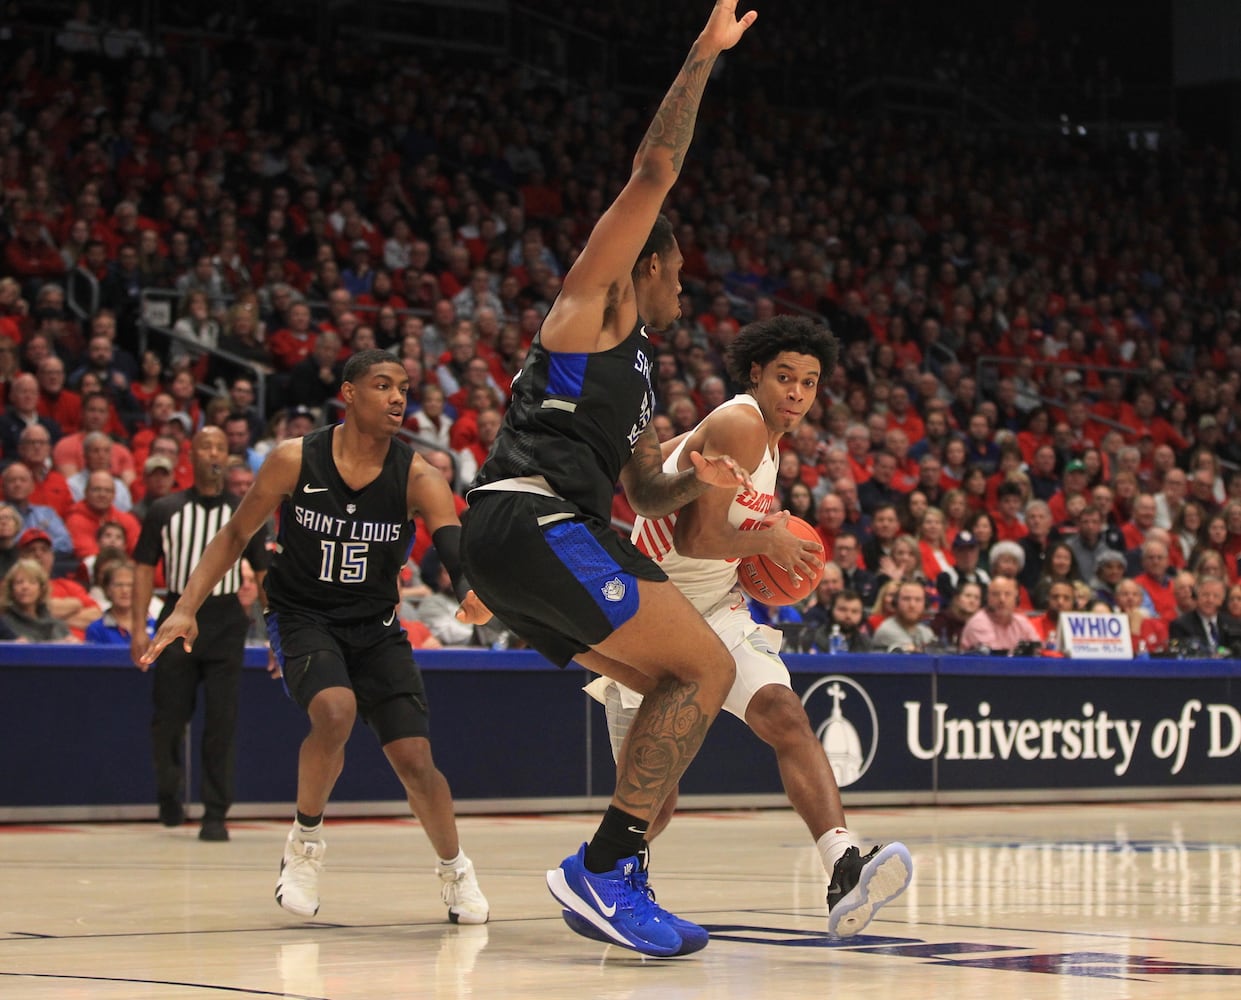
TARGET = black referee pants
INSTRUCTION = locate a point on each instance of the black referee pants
(215, 664)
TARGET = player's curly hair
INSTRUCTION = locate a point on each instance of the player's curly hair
(760, 342)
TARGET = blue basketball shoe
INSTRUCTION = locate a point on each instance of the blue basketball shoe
(616, 904)
(860, 885)
(693, 937)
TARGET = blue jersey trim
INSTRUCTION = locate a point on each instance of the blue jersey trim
(566, 374)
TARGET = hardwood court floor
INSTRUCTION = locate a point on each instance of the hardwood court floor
(1023, 902)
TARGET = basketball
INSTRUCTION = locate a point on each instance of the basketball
(767, 583)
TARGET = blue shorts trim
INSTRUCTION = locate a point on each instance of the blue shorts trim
(615, 592)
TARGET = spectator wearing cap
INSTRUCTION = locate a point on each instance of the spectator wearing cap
(18, 486)
(22, 412)
(158, 481)
(1076, 483)
(68, 600)
(997, 626)
(965, 569)
(358, 277)
(299, 421)
(97, 506)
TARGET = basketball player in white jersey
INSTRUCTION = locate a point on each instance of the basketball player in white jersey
(781, 361)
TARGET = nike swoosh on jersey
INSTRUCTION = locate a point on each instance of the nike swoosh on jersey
(391, 618)
(607, 911)
(315, 489)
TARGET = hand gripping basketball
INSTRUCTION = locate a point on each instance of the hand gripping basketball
(763, 578)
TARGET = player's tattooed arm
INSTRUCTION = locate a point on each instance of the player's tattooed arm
(654, 493)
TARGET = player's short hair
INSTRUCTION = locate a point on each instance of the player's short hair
(660, 241)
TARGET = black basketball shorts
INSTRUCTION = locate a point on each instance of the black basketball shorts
(373, 659)
(560, 580)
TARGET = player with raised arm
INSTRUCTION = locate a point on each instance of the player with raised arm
(537, 540)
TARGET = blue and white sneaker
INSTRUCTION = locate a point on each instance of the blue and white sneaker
(615, 905)
(860, 885)
(693, 937)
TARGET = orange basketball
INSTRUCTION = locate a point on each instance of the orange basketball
(767, 583)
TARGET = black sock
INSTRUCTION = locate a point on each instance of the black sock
(310, 822)
(620, 835)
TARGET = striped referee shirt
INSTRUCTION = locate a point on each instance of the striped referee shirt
(178, 527)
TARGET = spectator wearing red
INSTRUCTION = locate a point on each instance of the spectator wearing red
(829, 520)
(293, 343)
(50, 488)
(56, 403)
(1075, 484)
(87, 516)
(1135, 530)
(861, 459)
(1060, 600)
(30, 255)
(907, 474)
(1155, 579)
(1010, 502)
(67, 599)
(903, 416)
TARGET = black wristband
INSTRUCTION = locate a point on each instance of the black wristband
(447, 542)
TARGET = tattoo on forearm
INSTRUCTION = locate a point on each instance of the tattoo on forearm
(667, 732)
(673, 125)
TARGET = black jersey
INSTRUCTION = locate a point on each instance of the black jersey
(339, 551)
(574, 420)
(178, 527)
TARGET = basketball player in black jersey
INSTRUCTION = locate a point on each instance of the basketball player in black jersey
(579, 421)
(347, 497)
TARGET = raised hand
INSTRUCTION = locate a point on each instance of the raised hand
(724, 29)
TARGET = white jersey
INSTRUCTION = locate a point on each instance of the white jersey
(708, 581)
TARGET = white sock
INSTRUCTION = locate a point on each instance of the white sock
(455, 863)
(305, 833)
(832, 846)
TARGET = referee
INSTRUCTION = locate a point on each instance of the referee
(175, 531)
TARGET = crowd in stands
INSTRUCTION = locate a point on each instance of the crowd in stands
(1040, 337)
